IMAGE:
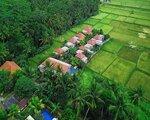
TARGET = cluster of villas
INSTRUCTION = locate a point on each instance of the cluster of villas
(97, 40)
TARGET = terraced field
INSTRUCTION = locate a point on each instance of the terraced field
(126, 57)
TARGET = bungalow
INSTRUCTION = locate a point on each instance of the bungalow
(79, 51)
(57, 64)
(87, 30)
(23, 103)
(10, 66)
(74, 40)
(9, 102)
(59, 51)
(82, 57)
(65, 49)
(92, 42)
(82, 48)
(88, 46)
(69, 44)
(99, 37)
(81, 36)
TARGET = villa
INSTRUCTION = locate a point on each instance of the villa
(82, 57)
(57, 64)
(87, 30)
(10, 66)
(81, 36)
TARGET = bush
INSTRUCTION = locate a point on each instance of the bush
(24, 87)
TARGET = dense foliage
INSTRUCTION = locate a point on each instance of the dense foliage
(26, 25)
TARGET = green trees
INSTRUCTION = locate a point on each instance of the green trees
(24, 87)
(4, 79)
(26, 25)
(3, 114)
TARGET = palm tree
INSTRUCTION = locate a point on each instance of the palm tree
(14, 111)
(36, 104)
(137, 95)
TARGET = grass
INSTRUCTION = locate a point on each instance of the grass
(119, 70)
(144, 62)
(101, 61)
(36, 60)
(91, 21)
(66, 36)
(112, 46)
(79, 28)
(87, 77)
(140, 79)
(100, 16)
(129, 54)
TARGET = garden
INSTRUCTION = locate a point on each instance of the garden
(74, 60)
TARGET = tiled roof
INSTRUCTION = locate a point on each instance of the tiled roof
(57, 64)
(59, 51)
(81, 36)
(80, 55)
(23, 103)
(74, 40)
(98, 37)
(87, 30)
(10, 66)
(92, 42)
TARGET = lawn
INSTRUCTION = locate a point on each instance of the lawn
(144, 62)
(140, 79)
(101, 61)
(120, 70)
(36, 60)
(66, 36)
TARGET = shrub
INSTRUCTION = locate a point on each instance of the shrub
(24, 87)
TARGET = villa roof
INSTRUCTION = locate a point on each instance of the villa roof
(59, 51)
(74, 40)
(98, 37)
(82, 48)
(80, 55)
(87, 30)
(10, 66)
(69, 44)
(79, 51)
(81, 36)
(57, 64)
(23, 103)
(92, 41)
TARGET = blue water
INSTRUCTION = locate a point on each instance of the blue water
(47, 115)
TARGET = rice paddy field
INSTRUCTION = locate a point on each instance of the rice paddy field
(126, 57)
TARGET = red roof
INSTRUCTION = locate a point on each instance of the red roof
(74, 39)
(10, 66)
(56, 64)
(92, 41)
(59, 51)
(98, 37)
(80, 36)
(80, 55)
(23, 103)
(82, 48)
(87, 30)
